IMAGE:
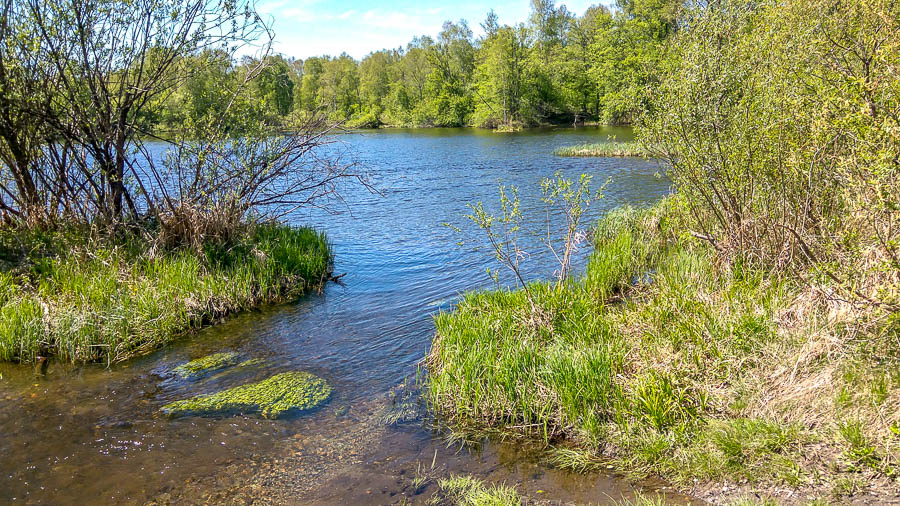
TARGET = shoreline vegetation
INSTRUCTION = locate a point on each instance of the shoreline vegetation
(81, 296)
(740, 338)
(603, 149)
(661, 360)
(111, 247)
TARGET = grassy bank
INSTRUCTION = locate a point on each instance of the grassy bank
(80, 297)
(602, 149)
(669, 361)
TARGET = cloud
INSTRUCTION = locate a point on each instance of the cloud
(266, 8)
(301, 14)
(304, 11)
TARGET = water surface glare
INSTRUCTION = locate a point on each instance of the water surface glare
(92, 434)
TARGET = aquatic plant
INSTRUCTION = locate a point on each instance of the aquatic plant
(603, 149)
(403, 407)
(272, 398)
(205, 365)
(252, 362)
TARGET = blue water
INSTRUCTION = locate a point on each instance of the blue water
(86, 432)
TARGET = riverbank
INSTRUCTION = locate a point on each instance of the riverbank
(665, 360)
(357, 124)
(605, 149)
(81, 297)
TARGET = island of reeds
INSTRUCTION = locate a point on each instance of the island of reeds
(603, 149)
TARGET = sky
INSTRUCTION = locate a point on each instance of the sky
(306, 28)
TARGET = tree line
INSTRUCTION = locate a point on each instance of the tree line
(551, 69)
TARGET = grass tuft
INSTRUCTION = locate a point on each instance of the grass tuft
(469, 491)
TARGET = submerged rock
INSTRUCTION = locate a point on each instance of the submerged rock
(203, 366)
(273, 397)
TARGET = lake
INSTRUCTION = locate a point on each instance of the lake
(89, 434)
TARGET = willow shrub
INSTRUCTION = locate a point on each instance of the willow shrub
(781, 122)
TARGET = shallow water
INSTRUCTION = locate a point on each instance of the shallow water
(93, 434)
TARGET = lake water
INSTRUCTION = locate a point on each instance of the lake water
(92, 434)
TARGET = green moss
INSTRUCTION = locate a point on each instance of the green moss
(203, 366)
(271, 398)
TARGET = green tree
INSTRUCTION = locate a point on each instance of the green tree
(452, 59)
(628, 53)
(313, 68)
(339, 90)
(577, 81)
(500, 78)
(275, 86)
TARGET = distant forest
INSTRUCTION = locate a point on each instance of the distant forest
(558, 66)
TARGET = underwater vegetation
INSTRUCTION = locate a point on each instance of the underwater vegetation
(205, 365)
(272, 398)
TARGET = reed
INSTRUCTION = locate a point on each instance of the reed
(603, 149)
(82, 297)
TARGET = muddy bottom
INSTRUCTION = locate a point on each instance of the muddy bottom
(356, 459)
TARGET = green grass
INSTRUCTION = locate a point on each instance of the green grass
(670, 362)
(82, 298)
(603, 149)
(469, 491)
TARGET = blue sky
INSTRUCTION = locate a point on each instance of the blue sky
(306, 28)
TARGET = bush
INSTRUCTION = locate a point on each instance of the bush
(781, 126)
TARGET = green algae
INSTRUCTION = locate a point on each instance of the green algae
(205, 365)
(273, 397)
(252, 362)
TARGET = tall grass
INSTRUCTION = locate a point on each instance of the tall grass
(603, 149)
(675, 363)
(85, 298)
